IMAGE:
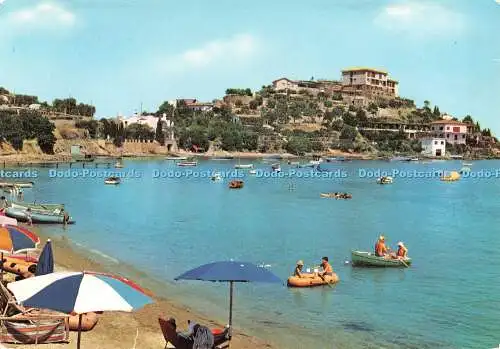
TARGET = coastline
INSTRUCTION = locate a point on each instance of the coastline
(138, 329)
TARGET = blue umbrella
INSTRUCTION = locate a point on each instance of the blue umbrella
(46, 260)
(229, 271)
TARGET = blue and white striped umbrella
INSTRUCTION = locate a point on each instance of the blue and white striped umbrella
(79, 292)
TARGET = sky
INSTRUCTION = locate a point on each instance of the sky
(123, 54)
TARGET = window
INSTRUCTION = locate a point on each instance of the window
(447, 127)
(441, 128)
(442, 142)
(448, 135)
(435, 142)
(463, 136)
(456, 137)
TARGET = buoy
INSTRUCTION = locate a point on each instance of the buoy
(346, 262)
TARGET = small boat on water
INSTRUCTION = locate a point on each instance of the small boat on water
(176, 158)
(236, 184)
(467, 163)
(187, 163)
(311, 280)
(118, 165)
(336, 195)
(112, 180)
(315, 162)
(40, 207)
(243, 166)
(36, 216)
(465, 170)
(307, 165)
(293, 163)
(368, 259)
(453, 176)
(16, 184)
(276, 167)
(216, 177)
(385, 180)
(252, 172)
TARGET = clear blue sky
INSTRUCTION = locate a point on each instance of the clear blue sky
(119, 53)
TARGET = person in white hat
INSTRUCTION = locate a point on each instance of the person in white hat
(298, 269)
(402, 251)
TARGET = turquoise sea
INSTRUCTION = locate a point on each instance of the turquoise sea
(449, 298)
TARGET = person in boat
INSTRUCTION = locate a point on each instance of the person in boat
(402, 252)
(327, 268)
(380, 248)
(298, 269)
(3, 204)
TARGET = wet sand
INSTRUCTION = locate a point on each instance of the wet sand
(138, 329)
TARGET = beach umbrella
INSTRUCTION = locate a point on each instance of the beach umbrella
(230, 271)
(79, 292)
(14, 239)
(46, 260)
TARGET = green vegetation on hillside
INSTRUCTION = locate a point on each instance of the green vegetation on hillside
(25, 125)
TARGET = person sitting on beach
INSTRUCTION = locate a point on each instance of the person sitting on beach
(380, 248)
(184, 340)
(327, 268)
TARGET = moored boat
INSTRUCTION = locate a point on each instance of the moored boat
(243, 166)
(276, 167)
(216, 177)
(336, 195)
(236, 184)
(112, 180)
(252, 172)
(41, 207)
(311, 280)
(385, 180)
(467, 163)
(368, 259)
(17, 184)
(118, 165)
(176, 158)
(453, 176)
(36, 216)
(187, 163)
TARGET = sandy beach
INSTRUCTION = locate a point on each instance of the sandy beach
(139, 329)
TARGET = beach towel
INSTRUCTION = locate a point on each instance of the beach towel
(203, 339)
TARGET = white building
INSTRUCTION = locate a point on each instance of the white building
(455, 132)
(433, 146)
(285, 84)
(149, 120)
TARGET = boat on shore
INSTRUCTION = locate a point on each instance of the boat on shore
(112, 180)
(187, 163)
(312, 280)
(368, 259)
(34, 206)
(223, 158)
(42, 217)
(243, 166)
(385, 180)
(236, 184)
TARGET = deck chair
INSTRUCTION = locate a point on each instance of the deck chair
(171, 338)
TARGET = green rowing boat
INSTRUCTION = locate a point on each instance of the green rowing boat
(41, 207)
(368, 259)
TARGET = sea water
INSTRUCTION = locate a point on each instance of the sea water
(165, 225)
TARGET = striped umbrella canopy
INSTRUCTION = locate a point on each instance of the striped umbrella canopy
(79, 292)
(15, 239)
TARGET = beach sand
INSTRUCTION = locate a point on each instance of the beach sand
(138, 329)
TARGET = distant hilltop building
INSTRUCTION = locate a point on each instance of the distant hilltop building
(193, 104)
(357, 86)
(370, 81)
(149, 120)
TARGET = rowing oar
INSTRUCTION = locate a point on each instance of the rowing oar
(404, 263)
(323, 278)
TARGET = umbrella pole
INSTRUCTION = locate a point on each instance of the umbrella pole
(1, 271)
(231, 287)
(79, 331)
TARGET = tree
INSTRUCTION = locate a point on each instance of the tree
(348, 133)
(328, 104)
(165, 108)
(468, 119)
(372, 108)
(436, 112)
(427, 105)
(350, 119)
(361, 117)
(159, 135)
